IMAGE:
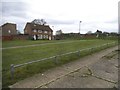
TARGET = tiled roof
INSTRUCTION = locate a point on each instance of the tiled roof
(8, 23)
(37, 26)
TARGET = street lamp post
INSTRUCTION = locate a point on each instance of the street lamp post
(79, 26)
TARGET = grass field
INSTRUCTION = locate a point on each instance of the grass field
(24, 54)
(6, 44)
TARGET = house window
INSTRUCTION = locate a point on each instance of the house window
(40, 31)
(39, 36)
(34, 30)
(44, 36)
(45, 31)
(9, 31)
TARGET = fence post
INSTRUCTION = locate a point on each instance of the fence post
(91, 50)
(56, 61)
(12, 71)
(78, 53)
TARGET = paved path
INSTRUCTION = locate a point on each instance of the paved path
(72, 74)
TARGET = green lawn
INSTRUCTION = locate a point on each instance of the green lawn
(27, 42)
(22, 55)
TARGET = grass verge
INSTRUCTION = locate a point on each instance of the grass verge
(31, 69)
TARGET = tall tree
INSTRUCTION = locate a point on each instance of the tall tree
(39, 21)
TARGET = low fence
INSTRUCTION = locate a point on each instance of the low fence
(78, 52)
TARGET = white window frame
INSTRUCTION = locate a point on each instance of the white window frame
(40, 36)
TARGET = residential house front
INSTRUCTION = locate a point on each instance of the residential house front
(38, 31)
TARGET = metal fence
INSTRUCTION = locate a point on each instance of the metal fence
(12, 67)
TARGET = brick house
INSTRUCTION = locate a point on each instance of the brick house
(38, 31)
(8, 29)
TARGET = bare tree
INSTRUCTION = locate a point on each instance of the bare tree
(39, 21)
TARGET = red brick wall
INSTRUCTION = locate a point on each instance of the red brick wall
(15, 37)
(6, 38)
(20, 37)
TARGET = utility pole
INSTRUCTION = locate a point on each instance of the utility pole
(79, 26)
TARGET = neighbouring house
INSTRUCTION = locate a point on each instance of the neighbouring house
(37, 31)
(59, 32)
(8, 29)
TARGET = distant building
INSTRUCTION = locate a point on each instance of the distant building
(38, 31)
(8, 29)
(59, 32)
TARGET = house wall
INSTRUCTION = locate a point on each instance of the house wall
(29, 29)
(9, 29)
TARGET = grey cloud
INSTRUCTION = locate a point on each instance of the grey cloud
(16, 9)
(60, 22)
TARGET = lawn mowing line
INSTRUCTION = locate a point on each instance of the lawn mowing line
(40, 44)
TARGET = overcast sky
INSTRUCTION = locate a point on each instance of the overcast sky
(63, 14)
